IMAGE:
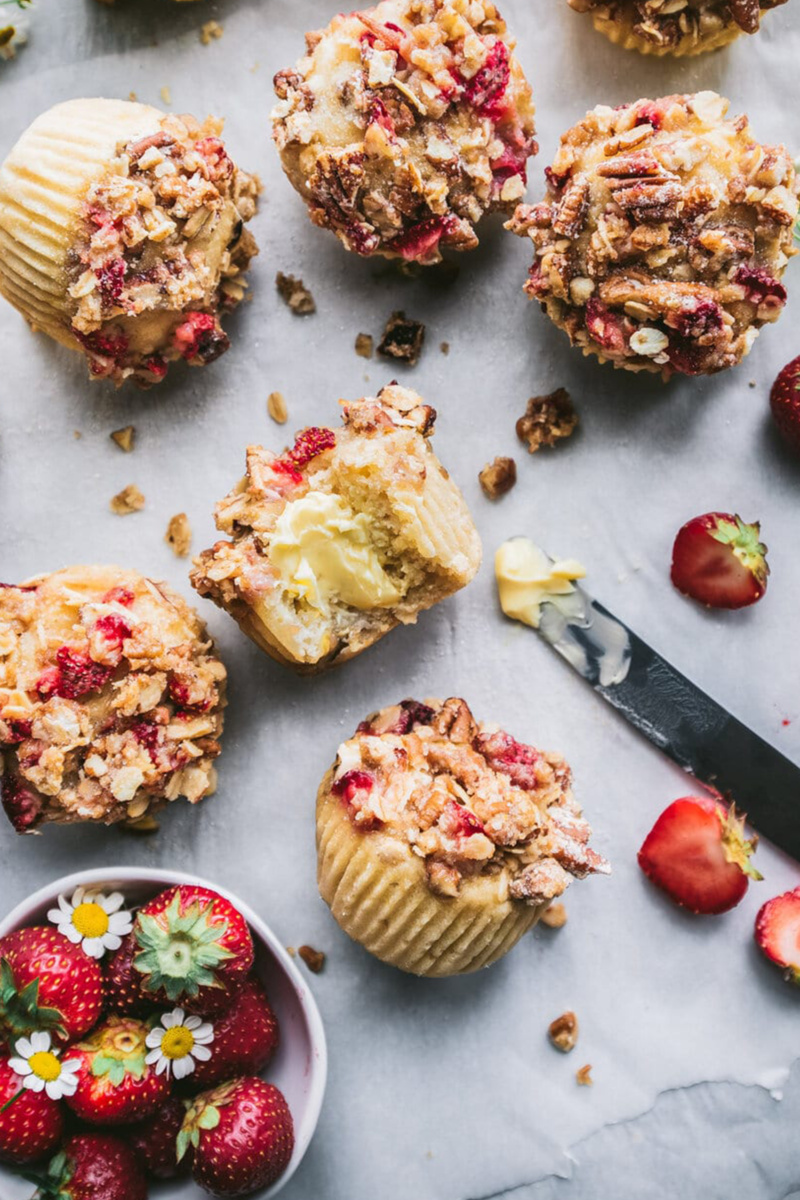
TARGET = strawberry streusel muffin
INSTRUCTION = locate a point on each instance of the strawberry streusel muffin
(442, 840)
(338, 540)
(111, 698)
(676, 27)
(122, 235)
(662, 239)
(405, 124)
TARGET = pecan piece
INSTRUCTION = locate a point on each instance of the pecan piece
(498, 477)
(563, 1032)
(547, 419)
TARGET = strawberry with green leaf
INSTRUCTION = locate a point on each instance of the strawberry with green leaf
(116, 1085)
(92, 1166)
(195, 949)
(47, 984)
(242, 1135)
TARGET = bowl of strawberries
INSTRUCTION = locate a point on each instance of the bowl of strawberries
(154, 1033)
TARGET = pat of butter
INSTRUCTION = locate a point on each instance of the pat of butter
(526, 579)
(323, 551)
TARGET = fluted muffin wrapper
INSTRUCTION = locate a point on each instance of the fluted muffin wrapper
(377, 890)
(621, 34)
(43, 184)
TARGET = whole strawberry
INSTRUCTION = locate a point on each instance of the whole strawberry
(245, 1038)
(698, 854)
(195, 949)
(31, 1124)
(47, 983)
(123, 982)
(156, 1141)
(778, 932)
(720, 561)
(784, 401)
(93, 1166)
(116, 1085)
(242, 1134)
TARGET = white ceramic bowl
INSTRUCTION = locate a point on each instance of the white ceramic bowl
(300, 1066)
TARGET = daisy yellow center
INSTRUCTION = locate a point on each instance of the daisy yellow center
(45, 1065)
(90, 920)
(177, 1042)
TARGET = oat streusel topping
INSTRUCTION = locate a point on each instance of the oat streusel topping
(665, 231)
(405, 124)
(163, 253)
(678, 25)
(467, 798)
(111, 698)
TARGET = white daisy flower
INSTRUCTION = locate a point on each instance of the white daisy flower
(40, 1068)
(12, 35)
(92, 920)
(177, 1042)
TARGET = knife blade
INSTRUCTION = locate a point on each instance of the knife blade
(679, 718)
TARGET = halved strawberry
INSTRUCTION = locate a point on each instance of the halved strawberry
(698, 853)
(720, 561)
(778, 932)
(784, 402)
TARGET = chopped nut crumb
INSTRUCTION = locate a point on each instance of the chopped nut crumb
(143, 825)
(290, 950)
(129, 500)
(76, 433)
(132, 96)
(547, 419)
(444, 347)
(209, 31)
(276, 408)
(166, 94)
(584, 1075)
(179, 534)
(364, 345)
(124, 437)
(314, 959)
(296, 294)
(554, 917)
(498, 477)
(563, 1032)
(402, 339)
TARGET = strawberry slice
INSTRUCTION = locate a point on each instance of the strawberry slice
(784, 402)
(778, 932)
(720, 561)
(698, 854)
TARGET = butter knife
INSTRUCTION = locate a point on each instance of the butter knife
(679, 718)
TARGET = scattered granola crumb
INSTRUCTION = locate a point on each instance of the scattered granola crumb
(314, 959)
(179, 534)
(129, 500)
(143, 825)
(276, 408)
(133, 96)
(364, 345)
(76, 433)
(124, 437)
(498, 477)
(752, 383)
(290, 950)
(209, 31)
(166, 94)
(547, 419)
(296, 294)
(563, 1032)
(402, 339)
(584, 1075)
(444, 347)
(554, 917)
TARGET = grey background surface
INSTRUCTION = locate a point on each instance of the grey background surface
(449, 1090)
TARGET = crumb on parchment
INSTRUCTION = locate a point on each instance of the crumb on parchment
(276, 408)
(563, 1032)
(403, 339)
(498, 477)
(129, 500)
(555, 916)
(547, 419)
(314, 959)
(296, 295)
(124, 437)
(179, 535)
